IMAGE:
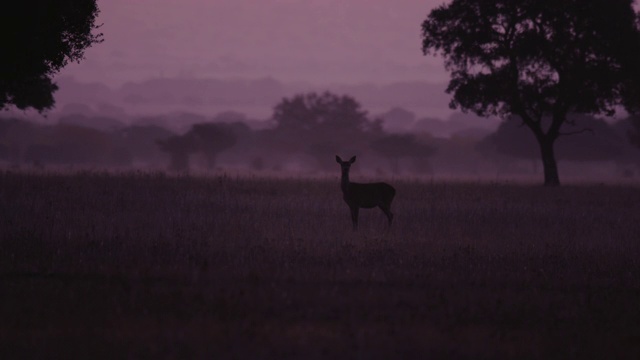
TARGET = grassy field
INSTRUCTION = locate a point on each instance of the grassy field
(96, 265)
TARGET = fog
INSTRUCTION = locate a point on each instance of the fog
(140, 99)
(183, 199)
(319, 41)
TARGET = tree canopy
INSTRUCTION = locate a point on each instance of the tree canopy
(600, 143)
(538, 59)
(322, 112)
(211, 139)
(396, 146)
(39, 38)
(323, 125)
(634, 132)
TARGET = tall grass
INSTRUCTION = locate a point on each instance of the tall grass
(144, 264)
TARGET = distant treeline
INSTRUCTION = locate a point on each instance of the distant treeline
(246, 95)
(303, 135)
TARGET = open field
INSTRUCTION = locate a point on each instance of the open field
(94, 265)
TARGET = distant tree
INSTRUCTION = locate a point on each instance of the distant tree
(599, 143)
(325, 112)
(634, 132)
(511, 140)
(323, 152)
(70, 145)
(230, 117)
(180, 148)
(98, 122)
(16, 135)
(323, 125)
(141, 141)
(4, 152)
(38, 38)
(398, 119)
(538, 59)
(397, 146)
(211, 139)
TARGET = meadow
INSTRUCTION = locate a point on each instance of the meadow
(137, 265)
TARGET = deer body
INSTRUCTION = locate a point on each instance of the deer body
(364, 195)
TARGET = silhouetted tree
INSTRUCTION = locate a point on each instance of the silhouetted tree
(512, 140)
(4, 152)
(538, 59)
(211, 139)
(230, 117)
(397, 146)
(180, 148)
(17, 135)
(38, 38)
(398, 119)
(634, 132)
(141, 142)
(325, 112)
(69, 145)
(98, 122)
(599, 143)
(323, 152)
(323, 125)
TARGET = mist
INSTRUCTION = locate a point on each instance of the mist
(405, 131)
(301, 41)
(167, 66)
(257, 179)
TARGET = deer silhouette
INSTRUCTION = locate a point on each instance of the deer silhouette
(367, 195)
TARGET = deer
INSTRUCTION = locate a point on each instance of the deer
(364, 195)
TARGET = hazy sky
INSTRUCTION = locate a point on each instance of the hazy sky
(323, 41)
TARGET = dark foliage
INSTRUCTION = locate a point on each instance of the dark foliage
(180, 148)
(38, 38)
(634, 132)
(397, 146)
(323, 125)
(211, 139)
(538, 59)
(140, 141)
(324, 112)
(592, 140)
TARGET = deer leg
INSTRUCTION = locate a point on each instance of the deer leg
(354, 217)
(387, 212)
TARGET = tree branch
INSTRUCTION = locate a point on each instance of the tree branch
(576, 132)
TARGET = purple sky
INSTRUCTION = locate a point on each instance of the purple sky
(321, 41)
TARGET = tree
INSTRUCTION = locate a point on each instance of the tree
(396, 146)
(600, 143)
(70, 144)
(634, 132)
(39, 38)
(180, 148)
(326, 112)
(398, 119)
(211, 139)
(538, 59)
(323, 125)
(141, 142)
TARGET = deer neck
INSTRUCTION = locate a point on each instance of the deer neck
(344, 182)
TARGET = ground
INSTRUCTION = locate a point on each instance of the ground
(100, 265)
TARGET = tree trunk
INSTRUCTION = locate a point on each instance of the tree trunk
(211, 158)
(179, 161)
(549, 164)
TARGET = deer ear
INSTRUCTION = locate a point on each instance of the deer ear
(338, 160)
(352, 160)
